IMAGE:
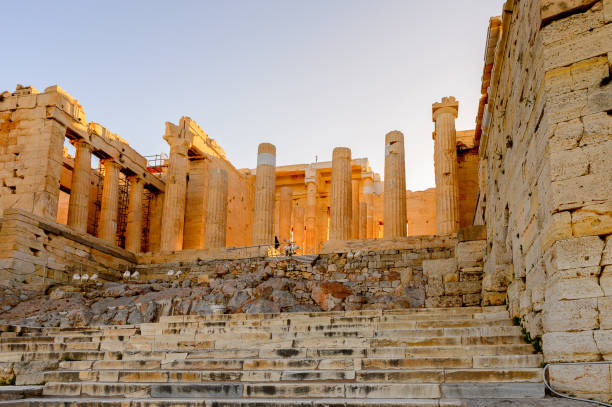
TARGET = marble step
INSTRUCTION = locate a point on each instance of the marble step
(360, 376)
(19, 392)
(229, 402)
(441, 346)
(282, 390)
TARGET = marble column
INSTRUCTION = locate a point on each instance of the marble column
(78, 206)
(340, 196)
(265, 194)
(216, 209)
(284, 214)
(368, 197)
(298, 227)
(310, 239)
(107, 224)
(355, 208)
(363, 220)
(444, 114)
(173, 221)
(395, 186)
(133, 230)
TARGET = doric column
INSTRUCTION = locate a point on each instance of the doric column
(133, 231)
(78, 207)
(216, 209)
(311, 209)
(368, 196)
(395, 186)
(284, 214)
(265, 191)
(445, 160)
(355, 208)
(363, 220)
(173, 220)
(298, 227)
(340, 197)
(107, 225)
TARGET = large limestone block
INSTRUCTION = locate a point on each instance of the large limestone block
(606, 257)
(568, 316)
(434, 271)
(605, 312)
(580, 191)
(593, 219)
(597, 128)
(553, 8)
(536, 281)
(500, 279)
(579, 48)
(589, 379)
(470, 253)
(568, 164)
(568, 134)
(577, 252)
(573, 288)
(569, 347)
(603, 339)
(605, 280)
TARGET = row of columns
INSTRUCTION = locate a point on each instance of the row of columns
(350, 218)
(78, 206)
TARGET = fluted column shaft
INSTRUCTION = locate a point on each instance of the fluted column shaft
(284, 214)
(298, 227)
(445, 161)
(363, 220)
(265, 191)
(216, 209)
(355, 208)
(173, 220)
(311, 217)
(368, 196)
(133, 231)
(340, 197)
(78, 206)
(107, 225)
(395, 186)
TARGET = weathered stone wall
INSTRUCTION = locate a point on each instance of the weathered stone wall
(31, 151)
(387, 273)
(545, 149)
(40, 253)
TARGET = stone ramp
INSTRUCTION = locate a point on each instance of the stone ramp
(420, 357)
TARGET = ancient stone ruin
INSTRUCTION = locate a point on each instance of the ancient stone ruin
(180, 280)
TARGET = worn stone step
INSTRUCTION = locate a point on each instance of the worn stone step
(19, 392)
(492, 390)
(229, 402)
(64, 356)
(246, 390)
(359, 376)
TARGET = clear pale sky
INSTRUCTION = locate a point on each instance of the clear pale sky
(306, 75)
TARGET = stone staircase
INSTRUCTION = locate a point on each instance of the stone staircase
(409, 357)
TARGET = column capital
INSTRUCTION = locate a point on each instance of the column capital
(367, 175)
(447, 105)
(81, 143)
(135, 179)
(110, 162)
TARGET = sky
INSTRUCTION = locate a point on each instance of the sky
(306, 75)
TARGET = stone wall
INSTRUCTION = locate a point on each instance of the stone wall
(545, 154)
(361, 274)
(40, 253)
